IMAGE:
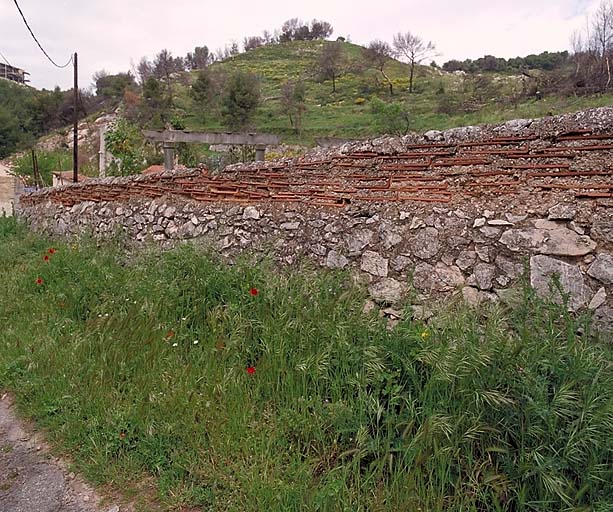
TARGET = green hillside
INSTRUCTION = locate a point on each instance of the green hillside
(440, 100)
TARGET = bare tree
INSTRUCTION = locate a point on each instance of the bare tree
(331, 62)
(593, 49)
(377, 55)
(414, 49)
(252, 42)
(293, 102)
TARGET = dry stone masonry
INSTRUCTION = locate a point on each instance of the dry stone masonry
(463, 211)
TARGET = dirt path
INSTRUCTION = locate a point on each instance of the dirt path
(31, 479)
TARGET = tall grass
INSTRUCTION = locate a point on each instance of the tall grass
(136, 364)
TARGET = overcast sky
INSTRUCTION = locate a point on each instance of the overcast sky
(114, 34)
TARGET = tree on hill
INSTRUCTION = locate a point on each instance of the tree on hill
(252, 42)
(377, 55)
(414, 49)
(593, 50)
(202, 91)
(297, 30)
(200, 58)
(293, 102)
(112, 87)
(241, 99)
(331, 62)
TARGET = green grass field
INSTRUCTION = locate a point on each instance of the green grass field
(164, 374)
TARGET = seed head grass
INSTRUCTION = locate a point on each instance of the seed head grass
(165, 367)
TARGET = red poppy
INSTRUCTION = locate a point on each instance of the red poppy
(51, 250)
(253, 291)
(170, 334)
(46, 258)
(39, 281)
(250, 370)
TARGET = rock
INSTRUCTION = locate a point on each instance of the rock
(290, 226)
(542, 272)
(336, 260)
(562, 212)
(509, 267)
(499, 222)
(599, 298)
(466, 259)
(400, 263)
(490, 232)
(484, 275)
(425, 244)
(434, 136)
(421, 313)
(369, 307)
(483, 252)
(390, 238)
(603, 319)
(440, 278)
(602, 269)
(503, 280)
(387, 291)
(374, 264)
(602, 229)
(393, 313)
(251, 213)
(515, 218)
(564, 242)
(576, 228)
(515, 125)
(405, 215)
(417, 223)
(548, 238)
(488, 214)
(358, 240)
(479, 223)
(475, 297)
(169, 212)
(517, 240)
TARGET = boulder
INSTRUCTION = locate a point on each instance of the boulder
(425, 243)
(387, 291)
(543, 273)
(374, 264)
(602, 268)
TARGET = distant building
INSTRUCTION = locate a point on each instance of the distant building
(14, 74)
(10, 187)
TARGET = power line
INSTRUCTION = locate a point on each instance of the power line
(36, 40)
(5, 59)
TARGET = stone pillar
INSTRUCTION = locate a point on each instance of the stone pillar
(169, 156)
(102, 153)
(260, 152)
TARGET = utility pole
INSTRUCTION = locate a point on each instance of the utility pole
(75, 142)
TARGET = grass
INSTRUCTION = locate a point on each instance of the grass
(135, 362)
(347, 113)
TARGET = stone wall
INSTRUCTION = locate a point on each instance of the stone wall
(463, 211)
(473, 250)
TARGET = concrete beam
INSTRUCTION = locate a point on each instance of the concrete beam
(250, 139)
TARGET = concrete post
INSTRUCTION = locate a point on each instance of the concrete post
(102, 153)
(260, 152)
(169, 156)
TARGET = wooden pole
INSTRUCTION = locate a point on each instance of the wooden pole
(75, 119)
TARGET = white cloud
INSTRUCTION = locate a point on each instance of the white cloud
(111, 34)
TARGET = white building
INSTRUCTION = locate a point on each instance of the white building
(10, 187)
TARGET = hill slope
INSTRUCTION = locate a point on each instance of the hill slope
(441, 100)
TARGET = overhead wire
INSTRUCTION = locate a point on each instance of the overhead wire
(37, 42)
(5, 59)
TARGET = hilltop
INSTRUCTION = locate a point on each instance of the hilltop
(441, 99)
